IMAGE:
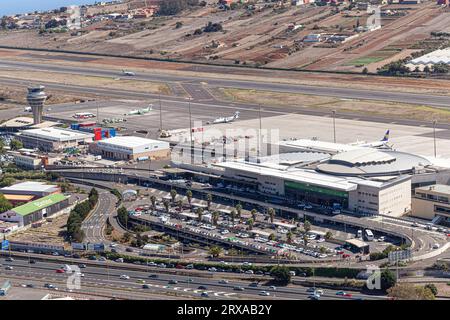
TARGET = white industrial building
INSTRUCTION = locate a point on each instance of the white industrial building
(53, 139)
(132, 148)
(430, 59)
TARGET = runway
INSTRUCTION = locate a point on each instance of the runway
(347, 93)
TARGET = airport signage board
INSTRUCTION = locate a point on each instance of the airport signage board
(5, 245)
(400, 255)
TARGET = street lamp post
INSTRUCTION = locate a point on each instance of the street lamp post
(434, 136)
(334, 125)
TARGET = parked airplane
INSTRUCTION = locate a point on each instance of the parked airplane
(128, 73)
(141, 111)
(83, 115)
(226, 119)
(375, 144)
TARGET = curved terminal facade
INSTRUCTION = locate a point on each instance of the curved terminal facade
(359, 179)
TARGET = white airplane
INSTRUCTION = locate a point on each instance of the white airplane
(27, 109)
(226, 119)
(383, 143)
(141, 111)
(83, 115)
(128, 73)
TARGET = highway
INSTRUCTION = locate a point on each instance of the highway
(199, 82)
(186, 286)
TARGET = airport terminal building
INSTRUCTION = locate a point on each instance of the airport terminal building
(131, 148)
(359, 179)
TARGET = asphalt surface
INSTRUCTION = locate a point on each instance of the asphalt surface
(108, 278)
(348, 93)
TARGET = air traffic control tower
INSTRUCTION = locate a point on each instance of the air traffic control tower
(36, 98)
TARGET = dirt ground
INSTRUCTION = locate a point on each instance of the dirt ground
(377, 108)
(48, 232)
(99, 82)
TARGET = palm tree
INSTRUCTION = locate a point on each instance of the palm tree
(239, 210)
(250, 223)
(166, 205)
(272, 237)
(199, 213)
(215, 217)
(173, 195)
(253, 213)
(189, 196)
(305, 239)
(233, 215)
(289, 237)
(180, 204)
(328, 235)
(271, 213)
(307, 226)
(208, 200)
(153, 201)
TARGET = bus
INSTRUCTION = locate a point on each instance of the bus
(369, 235)
(83, 115)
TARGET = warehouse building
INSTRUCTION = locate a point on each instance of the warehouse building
(432, 203)
(36, 210)
(53, 139)
(33, 188)
(131, 148)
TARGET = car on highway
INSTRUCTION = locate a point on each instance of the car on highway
(49, 286)
(152, 264)
(129, 250)
(173, 281)
(223, 281)
(204, 294)
(273, 288)
(162, 265)
(80, 274)
(9, 259)
(29, 285)
(141, 281)
(60, 271)
(9, 268)
(190, 266)
(253, 284)
(237, 288)
(153, 276)
(314, 296)
(311, 289)
(264, 293)
(202, 288)
(145, 286)
(343, 293)
(119, 260)
(124, 277)
(32, 261)
(102, 259)
(82, 266)
(212, 269)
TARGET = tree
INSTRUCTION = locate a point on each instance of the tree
(307, 226)
(239, 210)
(2, 147)
(208, 200)
(5, 205)
(328, 235)
(426, 69)
(281, 274)
(153, 201)
(166, 205)
(388, 279)
(272, 237)
(305, 239)
(126, 236)
(122, 215)
(199, 213)
(213, 27)
(407, 291)
(215, 217)
(271, 213)
(180, 205)
(233, 215)
(178, 25)
(16, 144)
(189, 196)
(441, 68)
(173, 195)
(250, 223)
(215, 251)
(289, 236)
(365, 70)
(432, 288)
(253, 213)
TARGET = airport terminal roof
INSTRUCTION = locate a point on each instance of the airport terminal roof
(57, 134)
(372, 162)
(437, 188)
(318, 146)
(26, 122)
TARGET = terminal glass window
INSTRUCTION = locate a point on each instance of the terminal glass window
(319, 195)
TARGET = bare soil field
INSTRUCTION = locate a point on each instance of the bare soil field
(100, 82)
(378, 108)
